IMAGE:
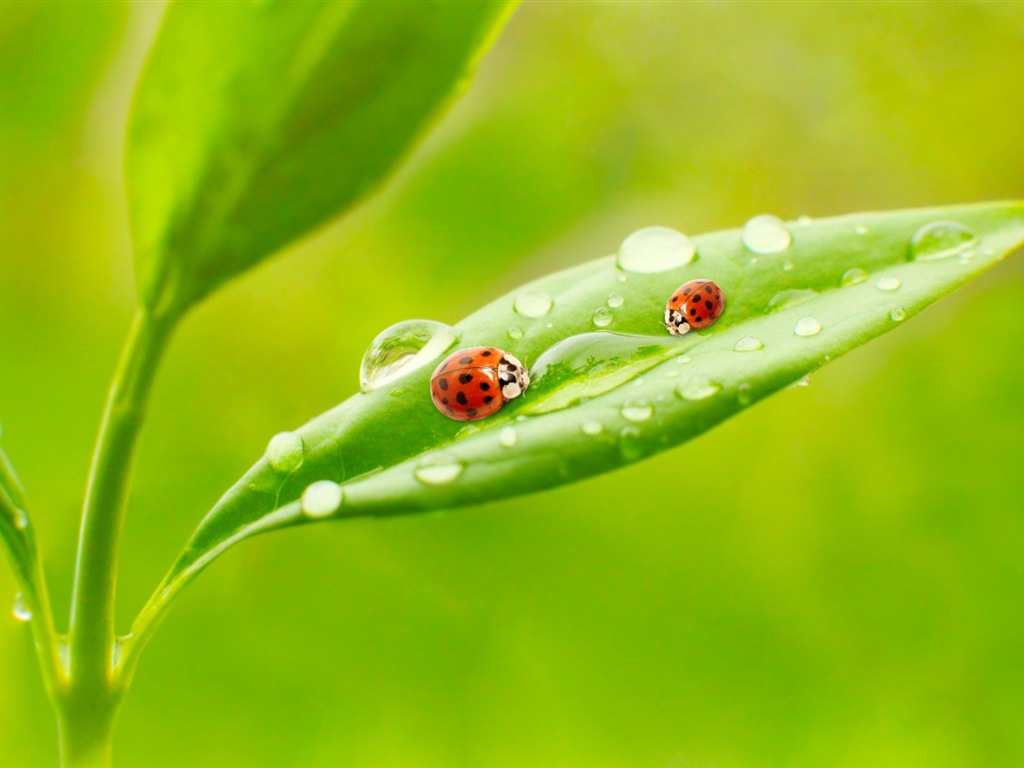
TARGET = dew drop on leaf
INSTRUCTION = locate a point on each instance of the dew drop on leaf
(853, 277)
(20, 519)
(744, 394)
(860, 229)
(507, 437)
(602, 317)
(615, 300)
(807, 326)
(438, 473)
(631, 446)
(940, 240)
(284, 452)
(888, 283)
(21, 611)
(532, 304)
(591, 427)
(401, 349)
(897, 314)
(321, 499)
(655, 249)
(515, 332)
(696, 388)
(766, 234)
(636, 410)
(748, 344)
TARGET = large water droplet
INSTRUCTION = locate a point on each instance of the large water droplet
(631, 446)
(939, 240)
(636, 410)
(888, 283)
(532, 304)
(655, 249)
(321, 499)
(591, 427)
(403, 348)
(615, 300)
(748, 344)
(602, 317)
(790, 298)
(807, 326)
(21, 611)
(696, 388)
(515, 332)
(284, 452)
(438, 471)
(852, 277)
(898, 313)
(20, 519)
(507, 437)
(766, 234)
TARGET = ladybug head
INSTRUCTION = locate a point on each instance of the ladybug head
(513, 377)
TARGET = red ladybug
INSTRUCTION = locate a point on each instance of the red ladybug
(474, 383)
(695, 304)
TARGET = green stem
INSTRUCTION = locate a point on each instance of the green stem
(85, 734)
(91, 700)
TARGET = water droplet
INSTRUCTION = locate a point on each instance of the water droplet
(696, 388)
(852, 277)
(284, 452)
(888, 283)
(806, 326)
(20, 519)
(803, 381)
(520, 418)
(639, 382)
(860, 229)
(602, 317)
(631, 445)
(766, 234)
(615, 300)
(532, 304)
(591, 427)
(401, 349)
(655, 249)
(515, 332)
(21, 611)
(636, 410)
(321, 499)
(898, 313)
(671, 374)
(64, 653)
(748, 344)
(787, 265)
(790, 298)
(682, 360)
(805, 221)
(507, 437)
(623, 278)
(744, 394)
(438, 472)
(939, 240)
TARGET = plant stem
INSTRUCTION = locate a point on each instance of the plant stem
(87, 710)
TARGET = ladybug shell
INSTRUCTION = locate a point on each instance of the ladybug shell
(465, 386)
(700, 303)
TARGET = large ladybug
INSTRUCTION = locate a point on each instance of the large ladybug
(694, 304)
(474, 383)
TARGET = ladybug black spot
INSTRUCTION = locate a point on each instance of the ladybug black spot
(693, 312)
(444, 400)
(487, 400)
(465, 378)
(460, 398)
(465, 360)
(484, 386)
(486, 353)
(471, 412)
(709, 289)
(687, 291)
(677, 297)
(442, 384)
(708, 304)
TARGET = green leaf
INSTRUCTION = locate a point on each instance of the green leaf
(15, 530)
(602, 398)
(255, 122)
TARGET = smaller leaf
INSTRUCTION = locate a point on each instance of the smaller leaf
(16, 531)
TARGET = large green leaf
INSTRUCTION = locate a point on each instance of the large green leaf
(605, 397)
(257, 121)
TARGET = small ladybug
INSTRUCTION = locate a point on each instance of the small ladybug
(695, 304)
(474, 383)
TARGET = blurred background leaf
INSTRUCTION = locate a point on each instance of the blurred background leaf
(256, 122)
(849, 593)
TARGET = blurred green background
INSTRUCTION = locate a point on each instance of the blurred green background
(849, 594)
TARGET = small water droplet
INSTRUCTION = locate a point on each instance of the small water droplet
(655, 249)
(898, 313)
(631, 445)
(766, 234)
(507, 437)
(803, 381)
(639, 382)
(615, 300)
(790, 298)
(671, 374)
(787, 265)
(20, 519)
(520, 418)
(21, 611)
(636, 410)
(438, 473)
(602, 317)
(696, 388)
(682, 360)
(321, 499)
(748, 344)
(591, 427)
(888, 283)
(532, 304)
(806, 326)
(744, 394)
(515, 332)
(860, 229)
(853, 277)
(284, 452)
(805, 221)
(401, 349)
(939, 240)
